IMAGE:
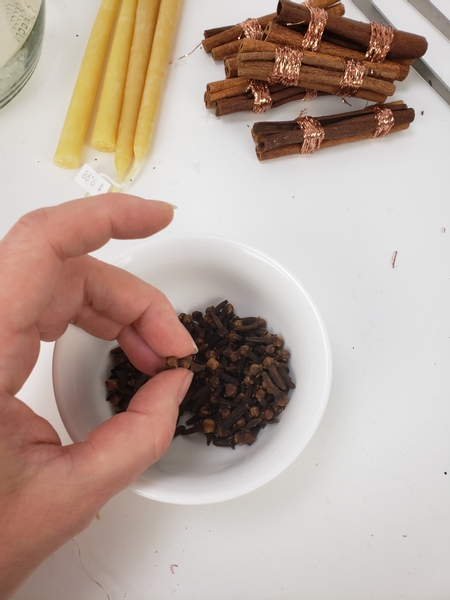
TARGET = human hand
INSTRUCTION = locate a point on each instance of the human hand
(49, 493)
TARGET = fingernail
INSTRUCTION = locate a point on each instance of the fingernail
(194, 348)
(173, 206)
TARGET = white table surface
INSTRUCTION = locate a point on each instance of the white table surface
(364, 512)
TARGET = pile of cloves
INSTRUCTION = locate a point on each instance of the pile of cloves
(241, 377)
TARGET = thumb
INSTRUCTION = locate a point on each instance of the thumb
(125, 445)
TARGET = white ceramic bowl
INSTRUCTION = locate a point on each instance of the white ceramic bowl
(196, 272)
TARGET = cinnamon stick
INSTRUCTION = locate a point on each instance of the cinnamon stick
(296, 148)
(282, 35)
(230, 34)
(226, 88)
(258, 50)
(323, 80)
(280, 95)
(267, 127)
(221, 52)
(230, 64)
(215, 30)
(404, 44)
(286, 137)
(273, 134)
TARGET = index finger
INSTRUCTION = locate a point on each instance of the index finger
(32, 253)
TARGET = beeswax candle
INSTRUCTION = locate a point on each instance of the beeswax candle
(144, 29)
(68, 151)
(159, 60)
(106, 125)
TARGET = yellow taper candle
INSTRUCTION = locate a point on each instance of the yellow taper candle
(159, 60)
(144, 29)
(104, 135)
(75, 126)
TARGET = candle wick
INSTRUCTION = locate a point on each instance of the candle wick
(116, 186)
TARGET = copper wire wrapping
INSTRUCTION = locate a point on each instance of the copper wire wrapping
(313, 134)
(261, 95)
(252, 29)
(352, 78)
(316, 27)
(310, 95)
(262, 100)
(385, 120)
(380, 42)
(288, 62)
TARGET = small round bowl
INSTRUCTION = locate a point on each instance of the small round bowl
(196, 272)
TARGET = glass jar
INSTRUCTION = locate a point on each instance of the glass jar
(19, 68)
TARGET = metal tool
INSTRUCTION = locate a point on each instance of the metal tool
(419, 65)
(433, 15)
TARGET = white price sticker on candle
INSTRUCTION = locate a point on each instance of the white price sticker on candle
(91, 182)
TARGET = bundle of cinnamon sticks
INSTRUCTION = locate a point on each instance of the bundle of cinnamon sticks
(282, 138)
(347, 60)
